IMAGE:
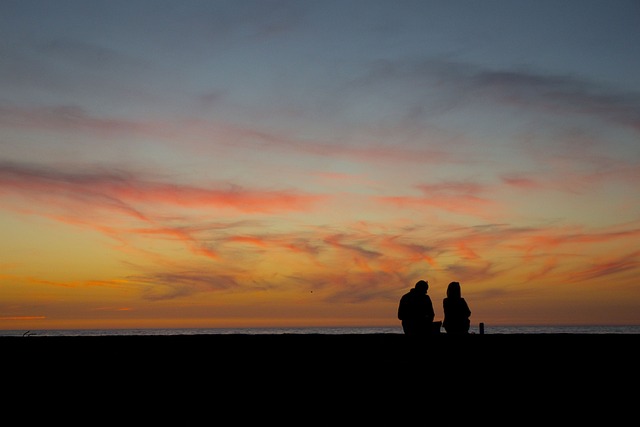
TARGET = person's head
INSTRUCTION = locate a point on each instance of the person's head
(453, 290)
(422, 286)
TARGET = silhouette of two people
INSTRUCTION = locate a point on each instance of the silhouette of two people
(456, 311)
(416, 310)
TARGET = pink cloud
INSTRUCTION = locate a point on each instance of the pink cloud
(119, 190)
(610, 266)
(458, 197)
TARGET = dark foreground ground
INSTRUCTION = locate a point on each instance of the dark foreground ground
(323, 379)
(378, 354)
(338, 350)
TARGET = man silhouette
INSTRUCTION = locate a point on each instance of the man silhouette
(416, 310)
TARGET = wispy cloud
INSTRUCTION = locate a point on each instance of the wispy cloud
(120, 190)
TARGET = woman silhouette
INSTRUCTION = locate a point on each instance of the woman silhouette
(456, 311)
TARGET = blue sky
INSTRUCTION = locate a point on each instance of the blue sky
(247, 163)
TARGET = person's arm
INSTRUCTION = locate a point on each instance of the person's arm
(467, 310)
(431, 314)
(401, 309)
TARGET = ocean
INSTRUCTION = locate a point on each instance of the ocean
(488, 329)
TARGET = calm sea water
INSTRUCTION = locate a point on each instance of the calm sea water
(488, 329)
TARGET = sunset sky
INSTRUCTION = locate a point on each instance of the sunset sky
(303, 163)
